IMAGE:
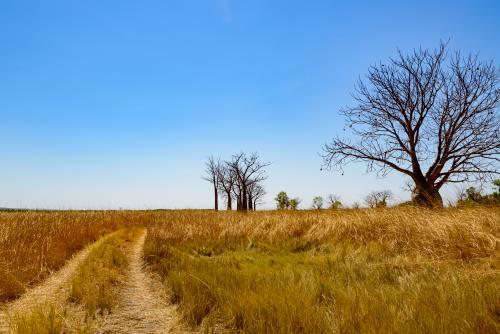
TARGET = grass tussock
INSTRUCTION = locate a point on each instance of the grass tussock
(370, 271)
(94, 284)
(45, 319)
(34, 244)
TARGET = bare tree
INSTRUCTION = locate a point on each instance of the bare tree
(212, 170)
(227, 180)
(378, 199)
(429, 116)
(355, 205)
(461, 193)
(371, 199)
(248, 170)
(258, 192)
(254, 189)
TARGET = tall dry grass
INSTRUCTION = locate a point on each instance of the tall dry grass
(394, 270)
(92, 296)
(449, 233)
(34, 244)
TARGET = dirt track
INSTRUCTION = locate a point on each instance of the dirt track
(54, 291)
(142, 305)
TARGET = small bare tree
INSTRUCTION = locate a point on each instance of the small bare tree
(431, 117)
(355, 205)
(461, 193)
(212, 175)
(257, 194)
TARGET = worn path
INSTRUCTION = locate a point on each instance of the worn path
(54, 291)
(142, 306)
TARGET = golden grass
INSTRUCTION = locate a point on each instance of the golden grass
(394, 270)
(43, 320)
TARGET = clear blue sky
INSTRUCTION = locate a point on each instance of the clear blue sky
(108, 104)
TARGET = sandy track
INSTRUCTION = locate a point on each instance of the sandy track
(55, 290)
(142, 305)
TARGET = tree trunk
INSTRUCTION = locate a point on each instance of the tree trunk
(238, 202)
(250, 202)
(244, 201)
(254, 205)
(229, 201)
(426, 195)
(216, 195)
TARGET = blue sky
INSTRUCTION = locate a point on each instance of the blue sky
(116, 104)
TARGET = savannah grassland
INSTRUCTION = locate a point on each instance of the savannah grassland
(389, 270)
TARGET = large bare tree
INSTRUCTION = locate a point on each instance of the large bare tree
(429, 115)
(212, 174)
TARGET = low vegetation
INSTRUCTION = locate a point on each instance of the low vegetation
(473, 197)
(384, 270)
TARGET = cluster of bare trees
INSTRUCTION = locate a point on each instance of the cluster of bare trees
(378, 199)
(238, 179)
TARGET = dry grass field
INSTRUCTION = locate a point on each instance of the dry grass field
(369, 271)
(398, 270)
